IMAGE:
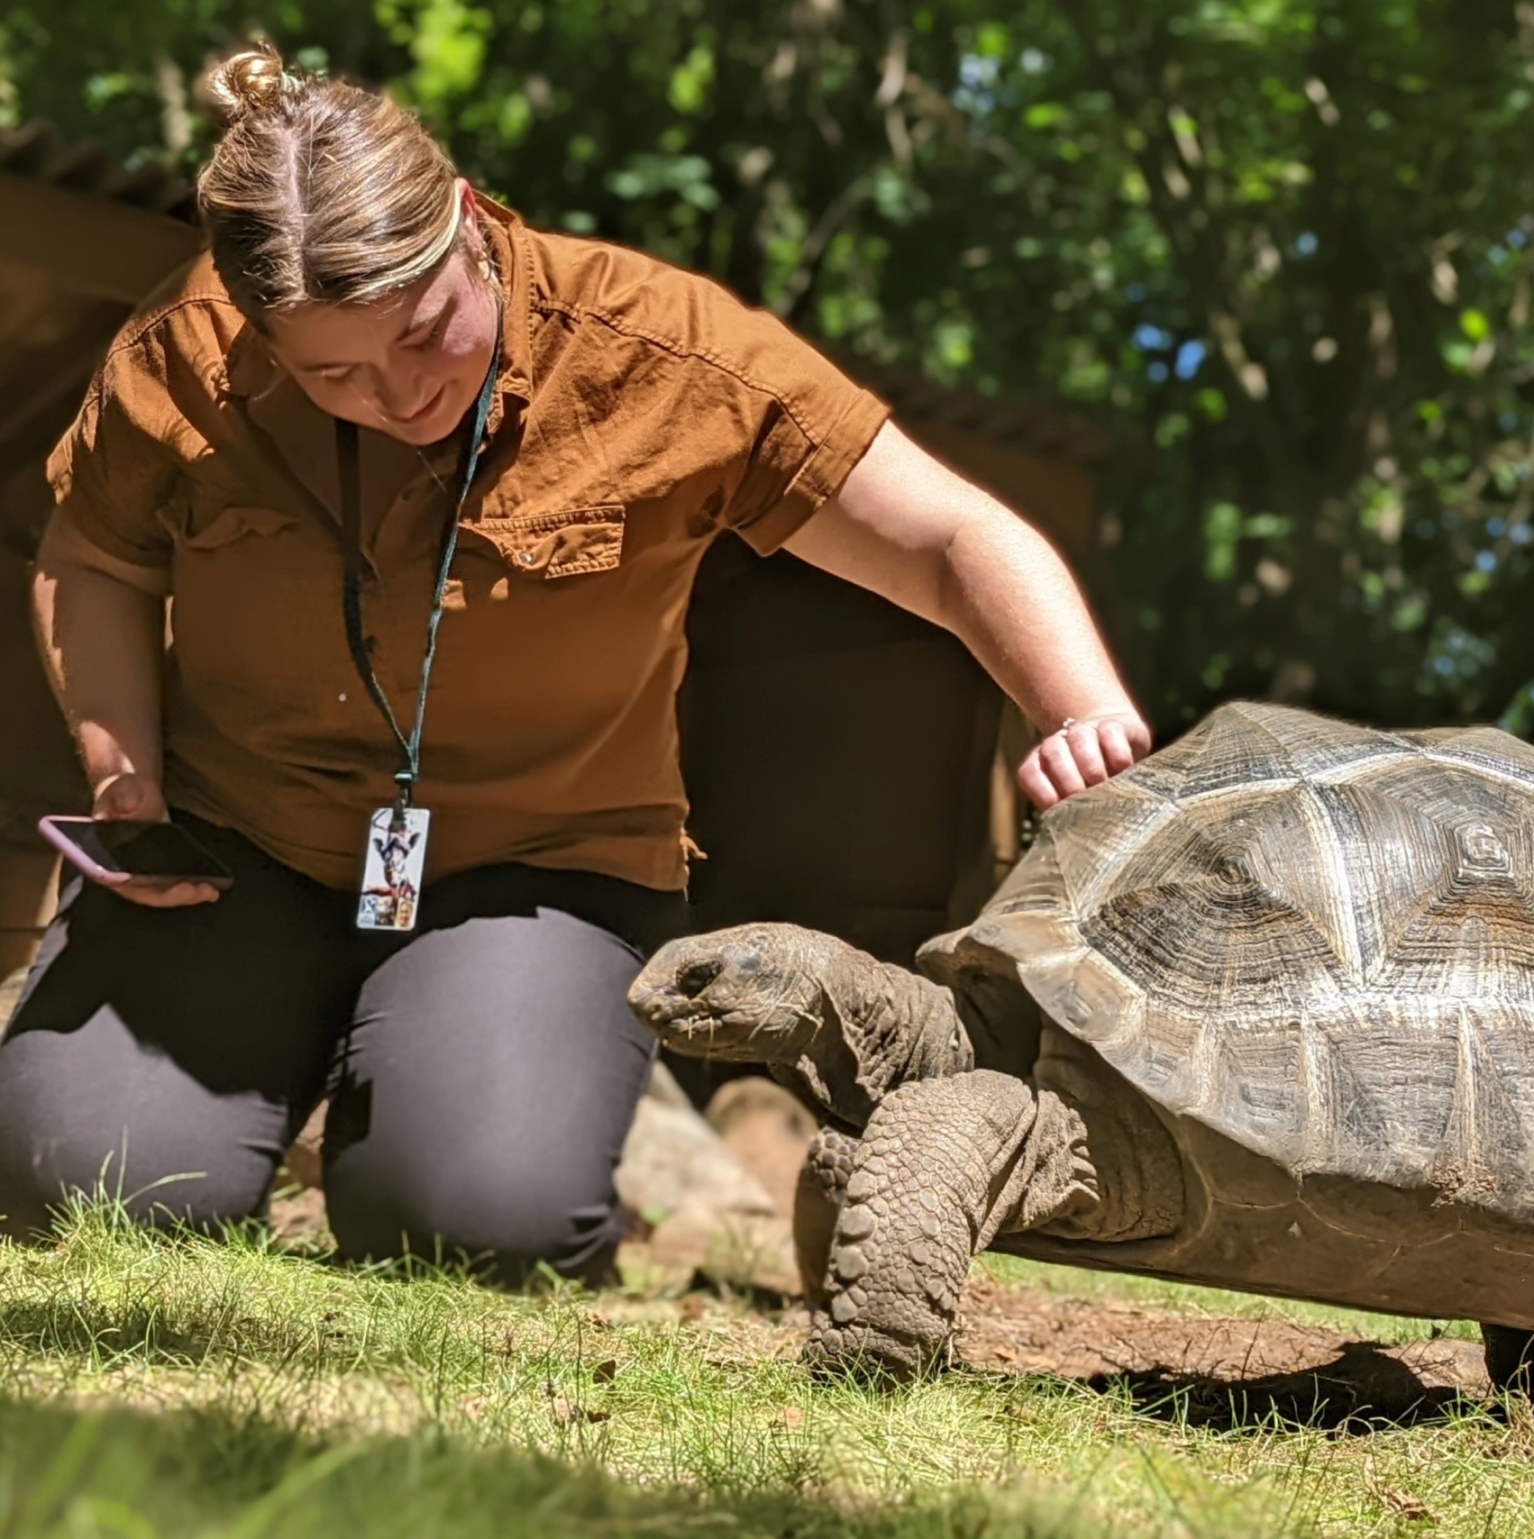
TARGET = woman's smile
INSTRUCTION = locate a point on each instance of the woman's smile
(418, 417)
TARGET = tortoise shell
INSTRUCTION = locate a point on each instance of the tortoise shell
(1315, 938)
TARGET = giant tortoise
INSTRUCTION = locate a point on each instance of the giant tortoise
(1259, 1013)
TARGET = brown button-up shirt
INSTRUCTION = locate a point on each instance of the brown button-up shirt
(640, 411)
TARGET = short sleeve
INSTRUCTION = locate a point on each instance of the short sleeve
(112, 472)
(812, 425)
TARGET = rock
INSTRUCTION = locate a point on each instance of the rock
(673, 1159)
(741, 1250)
(768, 1130)
(664, 1088)
(304, 1161)
(712, 1213)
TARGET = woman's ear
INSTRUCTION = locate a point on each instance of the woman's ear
(468, 217)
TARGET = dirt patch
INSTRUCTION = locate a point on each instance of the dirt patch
(1211, 1371)
(769, 1131)
(299, 1220)
(1217, 1371)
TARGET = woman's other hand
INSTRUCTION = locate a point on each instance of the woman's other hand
(131, 798)
(1082, 753)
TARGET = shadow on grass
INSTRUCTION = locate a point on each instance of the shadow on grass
(1363, 1388)
(66, 1474)
(80, 1329)
(160, 1322)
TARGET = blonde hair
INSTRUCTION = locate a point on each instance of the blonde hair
(319, 191)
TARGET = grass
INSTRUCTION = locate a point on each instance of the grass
(154, 1386)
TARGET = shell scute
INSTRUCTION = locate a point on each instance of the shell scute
(1248, 742)
(1315, 938)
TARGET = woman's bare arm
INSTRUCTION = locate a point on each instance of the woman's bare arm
(911, 530)
(101, 629)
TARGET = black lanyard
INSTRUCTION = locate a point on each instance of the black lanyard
(347, 455)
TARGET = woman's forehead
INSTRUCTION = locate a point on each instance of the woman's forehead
(322, 336)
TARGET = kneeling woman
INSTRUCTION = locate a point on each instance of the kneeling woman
(379, 405)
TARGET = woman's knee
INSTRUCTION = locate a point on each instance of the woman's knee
(80, 1119)
(489, 1085)
(506, 1226)
(163, 1190)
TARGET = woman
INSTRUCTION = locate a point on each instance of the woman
(381, 403)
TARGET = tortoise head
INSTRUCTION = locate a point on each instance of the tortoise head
(752, 994)
(828, 1020)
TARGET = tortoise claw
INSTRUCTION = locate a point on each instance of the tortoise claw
(871, 1355)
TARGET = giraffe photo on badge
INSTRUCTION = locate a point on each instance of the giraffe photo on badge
(391, 873)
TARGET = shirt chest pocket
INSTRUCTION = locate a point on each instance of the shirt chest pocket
(227, 525)
(566, 543)
(249, 607)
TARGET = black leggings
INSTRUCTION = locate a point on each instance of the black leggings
(483, 1071)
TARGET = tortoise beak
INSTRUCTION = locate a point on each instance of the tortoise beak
(700, 996)
(665, 995)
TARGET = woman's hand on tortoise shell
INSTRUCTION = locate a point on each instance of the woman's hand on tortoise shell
(1083, 752)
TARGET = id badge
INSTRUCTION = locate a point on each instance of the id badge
(391, 874)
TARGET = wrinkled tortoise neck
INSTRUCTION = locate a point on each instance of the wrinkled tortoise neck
(881, 1027)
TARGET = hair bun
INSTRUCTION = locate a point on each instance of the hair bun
(252, 80)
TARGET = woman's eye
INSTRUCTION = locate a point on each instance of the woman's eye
(429, 340)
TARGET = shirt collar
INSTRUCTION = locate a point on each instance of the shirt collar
(249, 368)
(509, 246)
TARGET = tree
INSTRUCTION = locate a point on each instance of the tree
(1284, 243)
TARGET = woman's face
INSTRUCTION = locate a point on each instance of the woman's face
(410, 365)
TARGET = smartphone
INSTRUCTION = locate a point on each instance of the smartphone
(123, 854)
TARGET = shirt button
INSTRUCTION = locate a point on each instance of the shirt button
(526, 558)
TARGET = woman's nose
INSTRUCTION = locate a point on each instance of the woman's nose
(400, 400)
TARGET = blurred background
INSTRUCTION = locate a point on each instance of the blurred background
(1281, 249)
(1234, 293)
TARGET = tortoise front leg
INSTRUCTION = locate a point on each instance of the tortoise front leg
(1509, 1357)
(939, 1168)
(817, 1201)
(944, 1166)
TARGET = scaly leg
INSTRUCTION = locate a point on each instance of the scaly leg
(818, 1199)
(1509, 1357)
(942, 1167)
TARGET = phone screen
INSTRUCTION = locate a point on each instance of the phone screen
(141, 849)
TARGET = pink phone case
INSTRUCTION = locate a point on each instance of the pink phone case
(52, 829)
(77, 857)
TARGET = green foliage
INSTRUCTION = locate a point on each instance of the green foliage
(1284, 244)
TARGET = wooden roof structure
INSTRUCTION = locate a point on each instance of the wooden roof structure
(82, 240)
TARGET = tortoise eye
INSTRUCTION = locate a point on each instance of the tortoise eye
(696, 976)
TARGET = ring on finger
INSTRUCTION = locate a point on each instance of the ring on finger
(1065, 726)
